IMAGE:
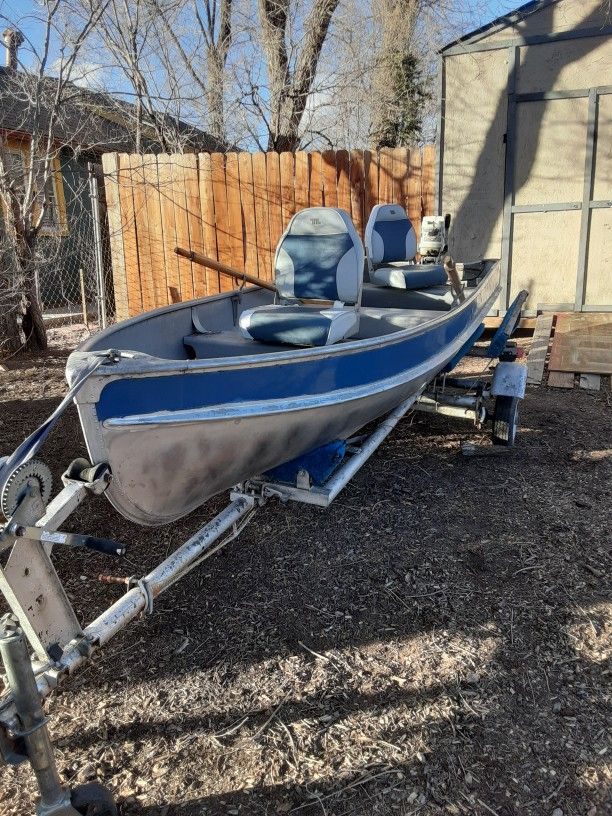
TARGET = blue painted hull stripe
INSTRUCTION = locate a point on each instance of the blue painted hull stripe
(179, 392)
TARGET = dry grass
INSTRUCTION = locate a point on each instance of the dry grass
(438, 642)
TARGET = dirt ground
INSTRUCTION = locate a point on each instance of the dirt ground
(438, 642)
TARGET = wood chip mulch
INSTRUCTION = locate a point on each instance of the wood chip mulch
(437, 642)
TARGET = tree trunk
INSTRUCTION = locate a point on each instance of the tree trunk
(32, 323)
(18, 276)
(396, 20)
(215, 65)
(290, 86)
(283, 142)
(10, 336)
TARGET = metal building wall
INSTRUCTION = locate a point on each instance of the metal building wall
(525, 153)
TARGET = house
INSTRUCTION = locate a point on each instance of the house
(90, 124)
(525, 151)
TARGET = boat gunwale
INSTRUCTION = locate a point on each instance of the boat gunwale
(133, 365)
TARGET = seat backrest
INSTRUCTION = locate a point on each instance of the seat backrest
(320, 257)
(389, 235)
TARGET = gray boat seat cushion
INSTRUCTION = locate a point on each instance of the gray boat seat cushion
(299, 325)
(319, 257)
(409, 276)
(389, 235)
(392, 245)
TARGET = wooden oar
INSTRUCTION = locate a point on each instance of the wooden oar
(453, 276)
(202, 260)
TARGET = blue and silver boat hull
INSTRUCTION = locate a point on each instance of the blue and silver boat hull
(177, 432)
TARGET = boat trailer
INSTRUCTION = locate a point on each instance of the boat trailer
(41, 641)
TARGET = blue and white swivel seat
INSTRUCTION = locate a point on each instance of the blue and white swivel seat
(391, 245)
(319, 257)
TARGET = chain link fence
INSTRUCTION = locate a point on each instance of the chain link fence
(74, 273)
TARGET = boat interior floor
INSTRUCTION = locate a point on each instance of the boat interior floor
(373, 322)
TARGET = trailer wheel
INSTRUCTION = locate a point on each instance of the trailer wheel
(505, 420)
(93, 799)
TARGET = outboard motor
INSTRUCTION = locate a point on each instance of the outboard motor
(434, 238)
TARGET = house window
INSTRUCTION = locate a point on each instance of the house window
(54, 220)
(51, 216)
(15, 167)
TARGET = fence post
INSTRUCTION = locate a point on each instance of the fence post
(95, 212)
(83, 296)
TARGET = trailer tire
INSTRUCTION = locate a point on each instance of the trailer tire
(505, 420)
(93, 799)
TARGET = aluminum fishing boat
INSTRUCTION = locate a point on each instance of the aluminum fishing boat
(205, 394)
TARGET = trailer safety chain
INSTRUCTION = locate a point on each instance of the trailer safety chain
(25, 732)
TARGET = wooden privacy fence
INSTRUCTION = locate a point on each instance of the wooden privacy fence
(233, 207)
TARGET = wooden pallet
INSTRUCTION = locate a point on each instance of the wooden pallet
(566, 348)
(581, 348)
(560, 379)
(524, 323)
(583, 343)
(567, 379)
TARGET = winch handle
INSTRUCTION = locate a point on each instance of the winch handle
(101, 545)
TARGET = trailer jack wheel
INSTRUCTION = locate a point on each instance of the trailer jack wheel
(505, 420)
(93, 799)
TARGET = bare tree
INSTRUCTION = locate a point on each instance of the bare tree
(291, 75)
(374, 78)
(176, 55)
(211, 23)
(340, 106)
(167, 58)
(277, 74)
(25, 186)
(348, 74)
(126, 43)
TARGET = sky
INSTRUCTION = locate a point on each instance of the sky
(24, 13)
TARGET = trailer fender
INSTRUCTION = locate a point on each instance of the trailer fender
(509, 380)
